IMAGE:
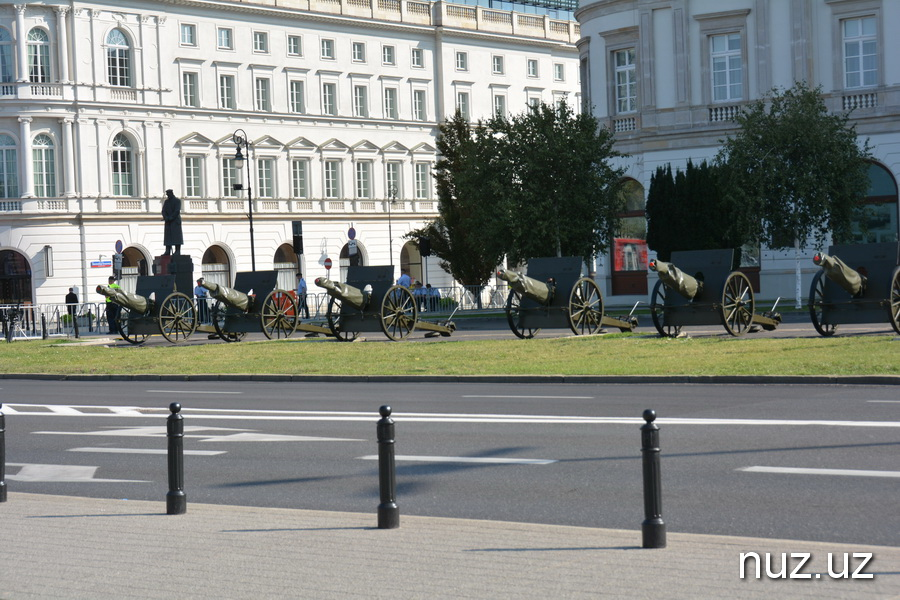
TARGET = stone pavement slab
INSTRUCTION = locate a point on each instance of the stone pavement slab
(67, 547)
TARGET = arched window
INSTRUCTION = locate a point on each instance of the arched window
(122, 167)
(9, 167)
(118, 58)
(286, 264)
(878, 219)
(44, 159)
(38, 56)
(629, 252)
(7, 64)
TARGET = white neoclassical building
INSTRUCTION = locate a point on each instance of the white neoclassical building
(668, 76)
(105, 105)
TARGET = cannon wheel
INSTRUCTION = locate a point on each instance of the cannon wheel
(177, 317)
(585, 307)
(399, 313)
(514, 314)
(122, 320)
(218, 321)
(334, 322)
(658, 311)
(279, 315)
(817, 306)
(895, 300)
(737, 304)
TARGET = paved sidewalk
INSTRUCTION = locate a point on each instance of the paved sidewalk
(66, 547)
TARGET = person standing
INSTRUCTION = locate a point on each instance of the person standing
(404, 280)
(112, 309)
(201, 294)
(71, 301)
(434, 297)
(302, 306)
(171, 214)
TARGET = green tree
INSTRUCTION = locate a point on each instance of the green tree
(799, 168)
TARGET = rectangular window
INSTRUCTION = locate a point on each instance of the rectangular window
(559, 72)
(387, 55)
(295, 45)
(300, 178)
(860, 52)
(226, 91)
(261, 42)
(727, 67)
(392, 179)
(532, 67)
(229, 178)
(358, 52)
(462, 103)
(225, 38)
(328, 49)
(497, 65)
(188, 34)
(189, 91)
(418, 58)
(423, 181)
(265, 178)
(390, 103)
(420, 109)
(500, 105)
(261, 89)
(364, 179)
(297, 100)
(360, 101)
(626, 81)
(332, 178)
(44, 161)
(329, 98)
(193, 176)
(462, 61)
(534, 101)
(9, 179)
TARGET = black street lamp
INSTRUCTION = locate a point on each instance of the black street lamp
(240, 139)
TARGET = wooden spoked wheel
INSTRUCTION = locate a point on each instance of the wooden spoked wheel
(123, 323)
(817, 306)
(279, 315)
(399, 313)
(658, 311)
(737, 304)
(218, 320)
(514, 313)
(177, 317)
(334, 322)
(585, 307)
(894, 304)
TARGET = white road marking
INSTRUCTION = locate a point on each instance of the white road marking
(536, 397)
(271, 437)
(147, 451)
(188, 393)
(243, 435)
(467, 459)
(885, 401)
(802, 471)
(62, 474)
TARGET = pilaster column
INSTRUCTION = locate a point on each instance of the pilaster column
(68, 157)
(27, 188)
(21, 43)
(62, 45)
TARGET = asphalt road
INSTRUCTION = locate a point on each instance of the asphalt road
(564, 454)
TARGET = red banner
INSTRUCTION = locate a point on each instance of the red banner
(629, 254)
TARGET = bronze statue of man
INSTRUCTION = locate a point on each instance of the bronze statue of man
(171, 214)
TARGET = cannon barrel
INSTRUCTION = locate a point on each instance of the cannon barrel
(835, 269)
(230, 296)
(138, 304)
(353, 296)
(676, 279)
(538, 291)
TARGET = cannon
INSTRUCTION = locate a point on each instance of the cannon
(243, 309)
(154, 307)
(369, 301)
(535, 302)
(868, 292)
(713, 294)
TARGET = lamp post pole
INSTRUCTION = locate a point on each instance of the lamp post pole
(240, 139)
(392, 192)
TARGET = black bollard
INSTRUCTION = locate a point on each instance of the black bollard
(176, 500)
(44, 334)
(75, 326)
(653, 528)
(388, 512)
(2, 455)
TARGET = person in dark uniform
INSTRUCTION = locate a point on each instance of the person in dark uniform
(171, 214)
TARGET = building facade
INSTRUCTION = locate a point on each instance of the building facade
(104, 106)
(669, 76)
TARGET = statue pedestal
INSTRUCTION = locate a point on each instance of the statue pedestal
(179, 265)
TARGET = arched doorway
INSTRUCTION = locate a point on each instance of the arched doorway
(358, 259)
(629, 251)
(287, 264)
(216, 266)
(411, 260)
(878, 209)
(134, 264)
(15, 278)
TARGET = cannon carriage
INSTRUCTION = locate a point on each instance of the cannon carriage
(858, 283)
(714, 294)
(554, 295)
(154, 307)
(369, 301)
